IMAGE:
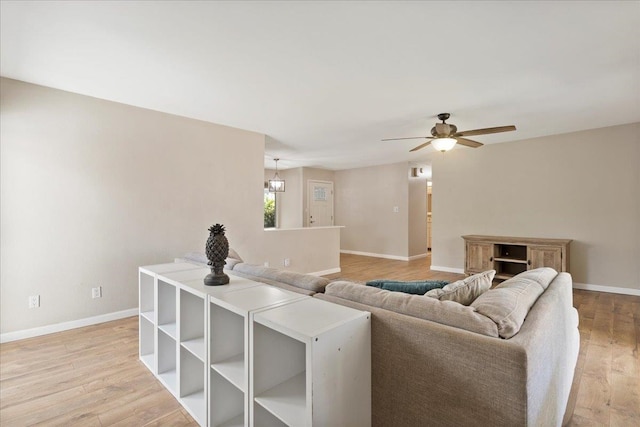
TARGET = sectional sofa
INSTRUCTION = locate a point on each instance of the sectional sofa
(508, 359)
(503, 358)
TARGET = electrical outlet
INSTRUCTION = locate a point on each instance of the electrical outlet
(34, 301)
(396, 209)
(96, 292)
(287, 262)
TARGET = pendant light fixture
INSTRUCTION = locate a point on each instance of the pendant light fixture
(276, 185)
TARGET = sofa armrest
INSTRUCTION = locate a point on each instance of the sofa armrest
(550, 334)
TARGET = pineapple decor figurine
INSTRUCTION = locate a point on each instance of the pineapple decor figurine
(217, 250)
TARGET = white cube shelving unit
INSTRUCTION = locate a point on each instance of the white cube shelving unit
(206, 343)
(190, 352)
(230, 316)
(148, 282)
(311, 365)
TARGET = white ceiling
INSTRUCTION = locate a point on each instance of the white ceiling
(327, 80)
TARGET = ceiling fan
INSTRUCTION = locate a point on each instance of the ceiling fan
(446, 135)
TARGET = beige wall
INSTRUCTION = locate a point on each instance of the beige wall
(364, 202)
(583, 186)
(289, 206)
(417, 216)
(93, 189)
(310, 250)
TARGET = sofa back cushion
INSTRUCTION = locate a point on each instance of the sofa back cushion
(300, 280)
(444, 312)
(466, 290)
(508, 303)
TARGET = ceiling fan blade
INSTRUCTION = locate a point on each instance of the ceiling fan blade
(421, 146)
(411, 137)
(485, 131)
(468, 142)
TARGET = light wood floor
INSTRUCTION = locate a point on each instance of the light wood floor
(92, 377)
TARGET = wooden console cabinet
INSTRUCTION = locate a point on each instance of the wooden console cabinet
(513, 255)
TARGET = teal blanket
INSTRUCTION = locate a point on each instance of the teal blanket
(420, 287)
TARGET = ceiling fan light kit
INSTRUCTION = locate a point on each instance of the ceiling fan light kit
(443, 144)
(445, 136)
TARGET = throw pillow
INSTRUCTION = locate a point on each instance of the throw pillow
(415, 288)
(233, 254)
(232, 259)
(464, 291)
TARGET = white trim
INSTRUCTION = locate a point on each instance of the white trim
(396, 257)
(411, 258)
(65, 326)
(325, 272)
(610, 289)
(304, 228)
(447, 269)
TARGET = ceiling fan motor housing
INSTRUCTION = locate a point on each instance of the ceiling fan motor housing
(443, 130)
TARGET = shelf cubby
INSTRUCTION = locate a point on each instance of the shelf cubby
(262, 417)
(192, 324)
(279, 364)
(167, 308)
(146, 296)
(226, 401)
(192, 385)
(227, 345)
(147, 343)
(510, 252)
(506, 269)
(167, 367)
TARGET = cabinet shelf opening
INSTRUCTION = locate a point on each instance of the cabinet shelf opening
(509, 269)
(226, 402)
(287, 400)
(262, 417)
(196, 347)
(511, 252)
(279, 375)
(232, 369)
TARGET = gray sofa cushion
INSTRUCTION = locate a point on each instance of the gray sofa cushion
(464, 291)
(508, 303)
(280, 285)
(300, 280)
(444, 312)
(197, 257)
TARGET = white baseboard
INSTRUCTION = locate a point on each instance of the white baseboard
(396, 257)
(325, 272)
(447, 269)
(411, 258)
(65, 326)
(610, 289)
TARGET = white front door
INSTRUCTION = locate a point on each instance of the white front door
(320, 203)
